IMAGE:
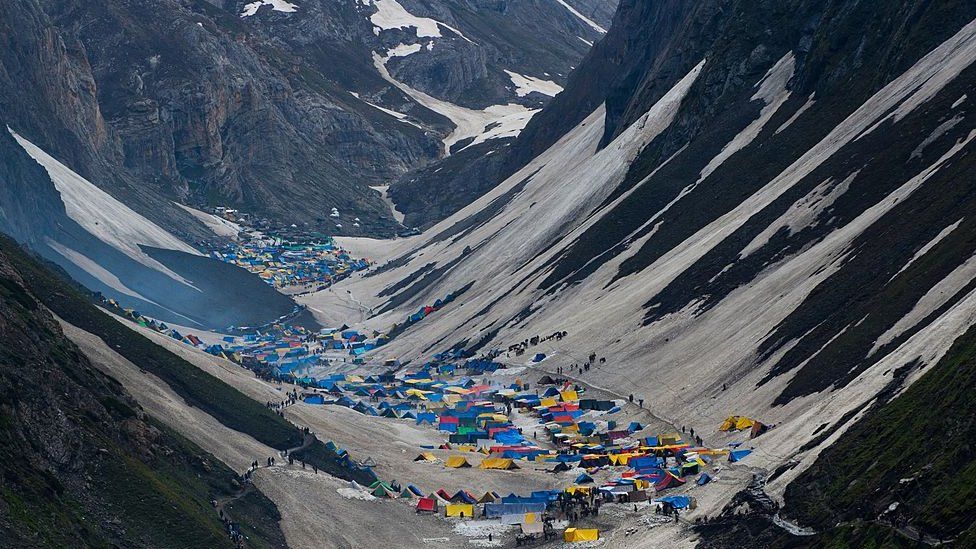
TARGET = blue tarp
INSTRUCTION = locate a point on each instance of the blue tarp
(680, 502)
(496, 510)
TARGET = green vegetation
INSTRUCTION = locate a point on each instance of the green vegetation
(917, 451)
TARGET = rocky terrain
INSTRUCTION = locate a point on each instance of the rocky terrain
(277, 108)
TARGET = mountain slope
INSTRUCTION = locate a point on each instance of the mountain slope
(770, 217)
(280, 109)
(82, 464)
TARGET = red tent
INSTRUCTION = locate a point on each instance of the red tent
(669, 481)
(427, 505)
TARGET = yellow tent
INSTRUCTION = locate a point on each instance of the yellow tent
(426, 456)
(354, 379)
(569, 396)
(581, 534)
(456, 462)
(736, 423)
(463, 510)
(498, 463)
(668, 440)
(417, 393)
(547, 402)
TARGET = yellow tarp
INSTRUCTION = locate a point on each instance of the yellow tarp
(455, 462)
(581, 534)
(568, 396)
(498, 463)
(464, 510)
(416, 392)
(547, 402)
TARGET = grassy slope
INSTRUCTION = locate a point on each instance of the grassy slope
(927, 435)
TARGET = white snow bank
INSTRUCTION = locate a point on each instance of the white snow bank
(103, 216)
(391, 15)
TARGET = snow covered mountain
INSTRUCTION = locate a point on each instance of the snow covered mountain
(748, 208)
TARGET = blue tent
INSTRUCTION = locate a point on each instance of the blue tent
(703, 479)
(737, 455)
(583, 478)
(539, 357)
(315, 399)
(679, 502)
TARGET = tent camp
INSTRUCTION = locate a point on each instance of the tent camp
(457, 462)
(581, 534)
(463, 510)
(498, 463)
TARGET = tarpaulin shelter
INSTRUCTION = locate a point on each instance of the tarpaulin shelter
(703, 479)
(581, 534)
(678, 502)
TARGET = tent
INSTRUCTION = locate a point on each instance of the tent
(406, 494)
(416, 491)
(462, 496)
(737, 455)
(426, 457)
(758, 428)
(703, 479)
(456, 462)
(669, 481)
(581, 534)
(583, 478)
(463, 510)
(498, 463)
(678, 502)
(426, 505)
(381, 489)
(736, 423)
(489, 497)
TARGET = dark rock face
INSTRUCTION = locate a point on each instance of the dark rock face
(188, 101)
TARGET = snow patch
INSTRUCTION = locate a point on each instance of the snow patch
(797, 114)
(391, 15)
(582, 17)
(276, 5)
(497, 121)
(772, 91)
(524, 85)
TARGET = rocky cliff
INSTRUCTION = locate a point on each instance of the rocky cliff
(281, 111)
